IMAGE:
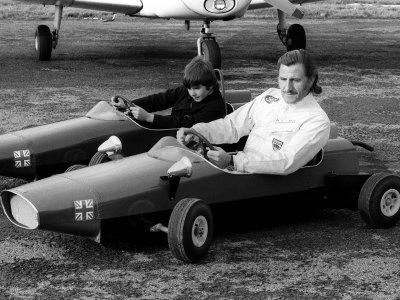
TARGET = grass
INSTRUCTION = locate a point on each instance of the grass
(332, 9)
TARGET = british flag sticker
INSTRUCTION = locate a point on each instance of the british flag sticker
(22, 158)
(84, 210)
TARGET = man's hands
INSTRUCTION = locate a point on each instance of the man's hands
(217, 156)
(184, 136)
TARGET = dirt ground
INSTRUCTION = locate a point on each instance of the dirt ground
(296, 253)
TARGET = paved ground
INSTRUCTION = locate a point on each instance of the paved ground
(296, 253)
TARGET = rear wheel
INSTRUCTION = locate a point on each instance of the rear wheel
(43, 43)
(190, 230)
(379, 200)
(99, 158)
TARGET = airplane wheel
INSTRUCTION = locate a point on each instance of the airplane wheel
(379, 200)
(74, 167)
(99, 158)
(43, 42)
(190, 230)
(295, 37)
(211, 52)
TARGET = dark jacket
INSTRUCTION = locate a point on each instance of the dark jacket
(185, 111)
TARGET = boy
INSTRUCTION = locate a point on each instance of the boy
(197, 100)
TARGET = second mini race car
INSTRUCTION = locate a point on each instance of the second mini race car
(175, 180)
(41, 151)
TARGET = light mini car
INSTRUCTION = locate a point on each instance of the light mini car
(180, 182)
(41, 151)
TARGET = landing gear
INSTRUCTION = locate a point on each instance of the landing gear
(211, 52)
(45, 40)
(43, 43)
(294, 37)
(208, 47)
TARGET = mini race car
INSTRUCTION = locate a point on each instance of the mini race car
(39, 152)
(181, 183)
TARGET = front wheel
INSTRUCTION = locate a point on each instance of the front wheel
(99, 158)
(43, 43)
(75, 167)
(211, 52)
(379, 200)
(190, 230)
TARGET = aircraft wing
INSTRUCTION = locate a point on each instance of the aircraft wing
(117, 6)
(131, 7)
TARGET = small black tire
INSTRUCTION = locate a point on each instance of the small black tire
(75, 167)
(211, 52)
(190, 230)
(295, 37)
(379, 200)
(43, 43)
(99, 158)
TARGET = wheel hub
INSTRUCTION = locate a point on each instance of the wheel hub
(36, 43)
(390, 202)
(199, 231)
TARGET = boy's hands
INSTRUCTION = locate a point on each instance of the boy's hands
(118, 103)
(134, 111)
(141, 114)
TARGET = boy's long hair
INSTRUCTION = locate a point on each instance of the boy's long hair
(200, 71)
(303, 57)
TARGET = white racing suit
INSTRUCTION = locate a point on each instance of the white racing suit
(281, 137)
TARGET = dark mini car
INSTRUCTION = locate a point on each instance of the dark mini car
(41, 151)
(180, 182)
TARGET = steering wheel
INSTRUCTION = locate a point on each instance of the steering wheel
(127, 103)
(201, 145)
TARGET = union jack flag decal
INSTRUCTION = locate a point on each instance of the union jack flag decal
(84, 210)
(22, 158)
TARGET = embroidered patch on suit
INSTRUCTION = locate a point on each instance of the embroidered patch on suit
(269, 99)
(276, 144)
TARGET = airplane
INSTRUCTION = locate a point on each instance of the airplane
(293, 37)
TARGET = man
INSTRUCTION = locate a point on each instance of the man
(198, 99)
(286, 127)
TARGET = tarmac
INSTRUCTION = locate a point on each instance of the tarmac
(304, 253)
